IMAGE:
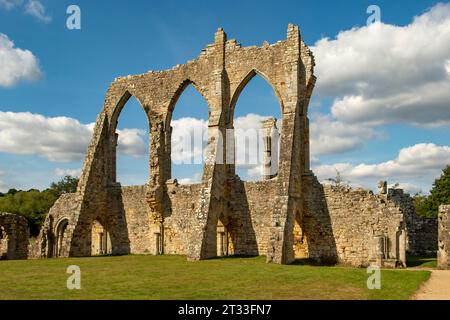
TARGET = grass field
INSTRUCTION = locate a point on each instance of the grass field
(172, 277)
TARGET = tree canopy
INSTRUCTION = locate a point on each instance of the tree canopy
(34, 204)
(428, 206)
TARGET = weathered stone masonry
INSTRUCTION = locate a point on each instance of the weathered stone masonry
(13, 237)
(443, 254)
(288, 215)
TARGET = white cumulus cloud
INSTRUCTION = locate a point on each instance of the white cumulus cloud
(384, 73)
(421, 164)
(67, 172)
(16, 64)
(59, 139)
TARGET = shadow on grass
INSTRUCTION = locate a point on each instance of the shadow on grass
(421, 261)
(234, 256)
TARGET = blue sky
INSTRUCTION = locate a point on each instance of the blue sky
(131, 37)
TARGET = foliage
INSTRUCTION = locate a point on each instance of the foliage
(427, 206)
(67, 184)
(338, 181)
(34, 204)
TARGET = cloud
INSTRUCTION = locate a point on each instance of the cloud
(131, 142)
(329, 136)
(33, 8)
(3, 185)
(67, 172)
(16, 64)
(59, 139)
(189, 138)
(9, 4)
(382, 73)
(36, 9)
(420, 163)
(196, 178)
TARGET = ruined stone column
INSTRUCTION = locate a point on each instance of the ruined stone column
(270, 139)
(203, 240)
(443, 255)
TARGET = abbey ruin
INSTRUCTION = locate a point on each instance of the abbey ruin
(286, 216)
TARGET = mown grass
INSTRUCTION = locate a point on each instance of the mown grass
(172, 277)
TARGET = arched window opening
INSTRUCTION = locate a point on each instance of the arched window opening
(61, 237)
(132, 153)
(300, 240)
(101, 241)
(189, 125)
(225, 246)
(257, 127)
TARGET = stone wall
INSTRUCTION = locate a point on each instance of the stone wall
(443, 254)
(14, 235)
(422, 233)
(286, 215)
(345, 225)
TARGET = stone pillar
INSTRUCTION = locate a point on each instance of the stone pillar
(443, 255)
(382, 187)
(270, 139)
(402, 248)
(379, 253)
(203, 239)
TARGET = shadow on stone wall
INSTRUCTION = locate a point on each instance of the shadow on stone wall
(316, 224)
(244, 236)
(117, 223)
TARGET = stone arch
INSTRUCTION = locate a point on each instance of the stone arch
(100, 238)
(250, 75)
(267, 145)
(177, 94)
(117, 110)
(170, 110)
(60, 245)
(113, 136)
(300, 238)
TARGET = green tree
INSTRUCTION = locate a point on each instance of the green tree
(439, 194)
(34, 204)
(67, 184)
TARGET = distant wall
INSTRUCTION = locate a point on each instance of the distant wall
(422, 233)
(346, 224)
(14, 237)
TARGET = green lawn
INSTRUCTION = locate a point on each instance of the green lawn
(172, 277)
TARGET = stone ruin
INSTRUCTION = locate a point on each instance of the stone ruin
(443, 254)
(288, 215)
(13, 237)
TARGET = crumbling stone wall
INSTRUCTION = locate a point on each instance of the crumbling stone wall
(14, 237)
(443, 254)
(422, 232)
(220, 73)
(345, 225)
(287, 213)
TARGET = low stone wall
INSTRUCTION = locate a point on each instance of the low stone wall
(422, 233)
(14, 237)
(443, 254)
(345, 225)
